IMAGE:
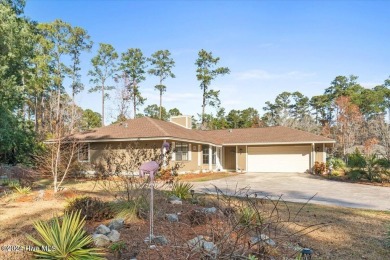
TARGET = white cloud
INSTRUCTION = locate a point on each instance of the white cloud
(265, 75)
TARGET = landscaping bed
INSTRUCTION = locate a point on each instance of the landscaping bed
(331, 232)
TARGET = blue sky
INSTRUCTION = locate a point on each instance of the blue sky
(269, 46)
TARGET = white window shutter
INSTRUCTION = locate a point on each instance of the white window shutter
(189, 152)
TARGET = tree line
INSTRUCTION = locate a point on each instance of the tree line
(35, 59)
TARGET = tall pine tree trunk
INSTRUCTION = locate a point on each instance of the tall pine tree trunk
(103, 103)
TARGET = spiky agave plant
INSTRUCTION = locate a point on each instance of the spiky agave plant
(64, 239)
(181, 189)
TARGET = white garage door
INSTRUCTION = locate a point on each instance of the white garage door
(279, 159)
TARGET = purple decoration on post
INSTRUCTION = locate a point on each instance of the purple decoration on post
(165, 145)
(148, 167)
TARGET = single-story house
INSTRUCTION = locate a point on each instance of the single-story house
(268, 149)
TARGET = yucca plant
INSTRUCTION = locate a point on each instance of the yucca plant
(66, 238)
(181, 189)
(22, 190)
(249, 217)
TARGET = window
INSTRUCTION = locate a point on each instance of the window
(83, 152)
(181, 153)
(205, 149)
(214, 155)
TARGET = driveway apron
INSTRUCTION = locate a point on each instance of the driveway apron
(300, 187)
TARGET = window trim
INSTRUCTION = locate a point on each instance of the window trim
(205, 148)
(187, 152)
(88, 152)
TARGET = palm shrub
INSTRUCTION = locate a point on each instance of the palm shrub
(22, 190)
(181, 189)
(249, 216)
(66, 237)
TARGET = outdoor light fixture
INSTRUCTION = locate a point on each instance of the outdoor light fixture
(317, 149)
(306, 253)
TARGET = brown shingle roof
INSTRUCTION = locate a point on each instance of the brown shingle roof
(143, 127)
(275, 134)
(146, 127)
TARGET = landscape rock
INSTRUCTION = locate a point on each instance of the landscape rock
(102, 229)
(101, 240)
(160, 240)
(196, 243)
(199, 243)
(176, 202)
(211, 210)
(114, 235)
(262, 238)
(116, 224)
(173, 197)
(210, 248)
(172, 217)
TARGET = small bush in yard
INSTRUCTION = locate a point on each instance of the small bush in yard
(181, 189)
(319, 168)
(64, 238)
(91, 208)
(197, 217)
(337, 163)
(249, 216)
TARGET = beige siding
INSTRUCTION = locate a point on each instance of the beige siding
(241, 158)
(319, 153)
(97, 149)
(190, 165)
(184, 121)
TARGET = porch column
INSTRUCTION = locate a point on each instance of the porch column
(218, 159)
(236, 158)
(312, 157)
(210, 157)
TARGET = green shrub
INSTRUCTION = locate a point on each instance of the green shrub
(117, 248)
(356, 160)
(131, 210)
(64, 238)
(181, 189)
(337, 163)
(91, 208)
(13, 183)
(5, 182)
(383, 162)
(355, 174)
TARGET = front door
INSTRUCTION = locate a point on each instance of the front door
(230, 158)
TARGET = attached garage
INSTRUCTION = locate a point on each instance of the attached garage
(279, 158)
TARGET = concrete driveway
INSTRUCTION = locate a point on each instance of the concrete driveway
(299, 187)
